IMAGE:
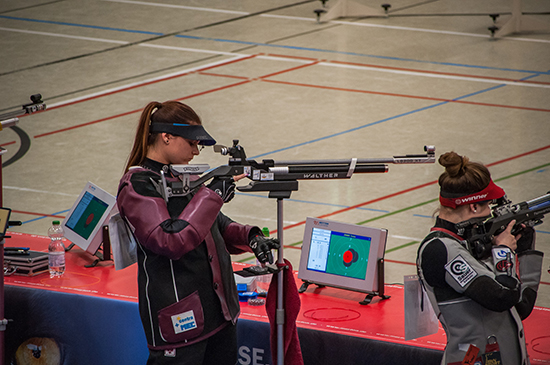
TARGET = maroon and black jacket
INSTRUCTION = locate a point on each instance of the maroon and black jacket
(184, 259)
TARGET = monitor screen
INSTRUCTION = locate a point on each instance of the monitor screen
(86, 215)
(89, 213)
(341, 254)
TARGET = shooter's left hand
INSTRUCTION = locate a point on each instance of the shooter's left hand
(261, 246)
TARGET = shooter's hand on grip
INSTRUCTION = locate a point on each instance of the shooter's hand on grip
(506, 238)
(527, 240)
(225, 188)
(261, 246)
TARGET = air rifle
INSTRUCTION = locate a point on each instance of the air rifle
(10, 119)
(277, 177)
(479, 234)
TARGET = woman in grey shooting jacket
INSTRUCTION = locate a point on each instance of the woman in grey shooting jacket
(187, 294)
(480, 301)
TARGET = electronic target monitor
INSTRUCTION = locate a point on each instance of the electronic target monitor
(90, 212)
(341, 254)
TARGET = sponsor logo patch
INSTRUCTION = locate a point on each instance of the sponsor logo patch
(503, 265)
(184, 322)
(461, 271)
(501, 257)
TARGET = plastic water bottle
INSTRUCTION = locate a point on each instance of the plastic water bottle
(56, 250)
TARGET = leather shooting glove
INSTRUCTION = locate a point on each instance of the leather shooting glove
(262, 246)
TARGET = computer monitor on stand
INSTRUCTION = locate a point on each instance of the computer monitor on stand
(86, 224)
(343, 255)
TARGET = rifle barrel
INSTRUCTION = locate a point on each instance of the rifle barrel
(407, 159)
(334, 162)
(328, 169)
(541, 200)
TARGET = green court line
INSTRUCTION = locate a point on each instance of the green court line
(402, 246)
(523, 172)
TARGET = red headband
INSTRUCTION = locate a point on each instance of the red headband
(491, 192)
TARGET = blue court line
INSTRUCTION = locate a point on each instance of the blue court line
(386, 119)
(423, 216)
(259, 44)
(358, 54)
(45, 216)
(349, 130)
(533, 74)
(80, 25)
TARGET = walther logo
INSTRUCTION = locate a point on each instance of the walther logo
(321, 176)
(471, 199)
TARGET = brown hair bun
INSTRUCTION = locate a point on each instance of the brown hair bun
(462, 176)
(454, 163)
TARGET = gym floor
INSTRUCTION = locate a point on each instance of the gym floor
(288, 86)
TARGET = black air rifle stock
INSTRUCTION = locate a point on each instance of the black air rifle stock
(479, 235)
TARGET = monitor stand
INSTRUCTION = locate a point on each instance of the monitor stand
(370, 295)
(105, 248)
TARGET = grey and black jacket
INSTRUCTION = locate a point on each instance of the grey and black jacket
(475, 299)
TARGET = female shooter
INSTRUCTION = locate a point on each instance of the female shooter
(187, 294)
(479, 301)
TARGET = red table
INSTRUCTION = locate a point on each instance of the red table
(322, 309)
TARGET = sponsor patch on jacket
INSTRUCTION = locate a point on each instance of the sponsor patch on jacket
(184, 322)
(461, 271)
(502, 259)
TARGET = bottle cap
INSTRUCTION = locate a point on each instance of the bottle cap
(265, 231)
(56, 223)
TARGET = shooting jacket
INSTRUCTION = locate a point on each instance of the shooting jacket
(476, 299)
(187, 290)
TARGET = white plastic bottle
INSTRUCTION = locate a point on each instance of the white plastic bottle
(56, 250)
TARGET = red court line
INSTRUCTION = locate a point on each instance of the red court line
(86, 124)
(405, 95)
(39, 214)
(441, 73)
(518, 156)
(151, 82)
(214, 90)
(220, 75)
(401, 262)
(138, 110)
(288, 70)
(246, 80)
(412, 70)
(263, 78)
(291, 57)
